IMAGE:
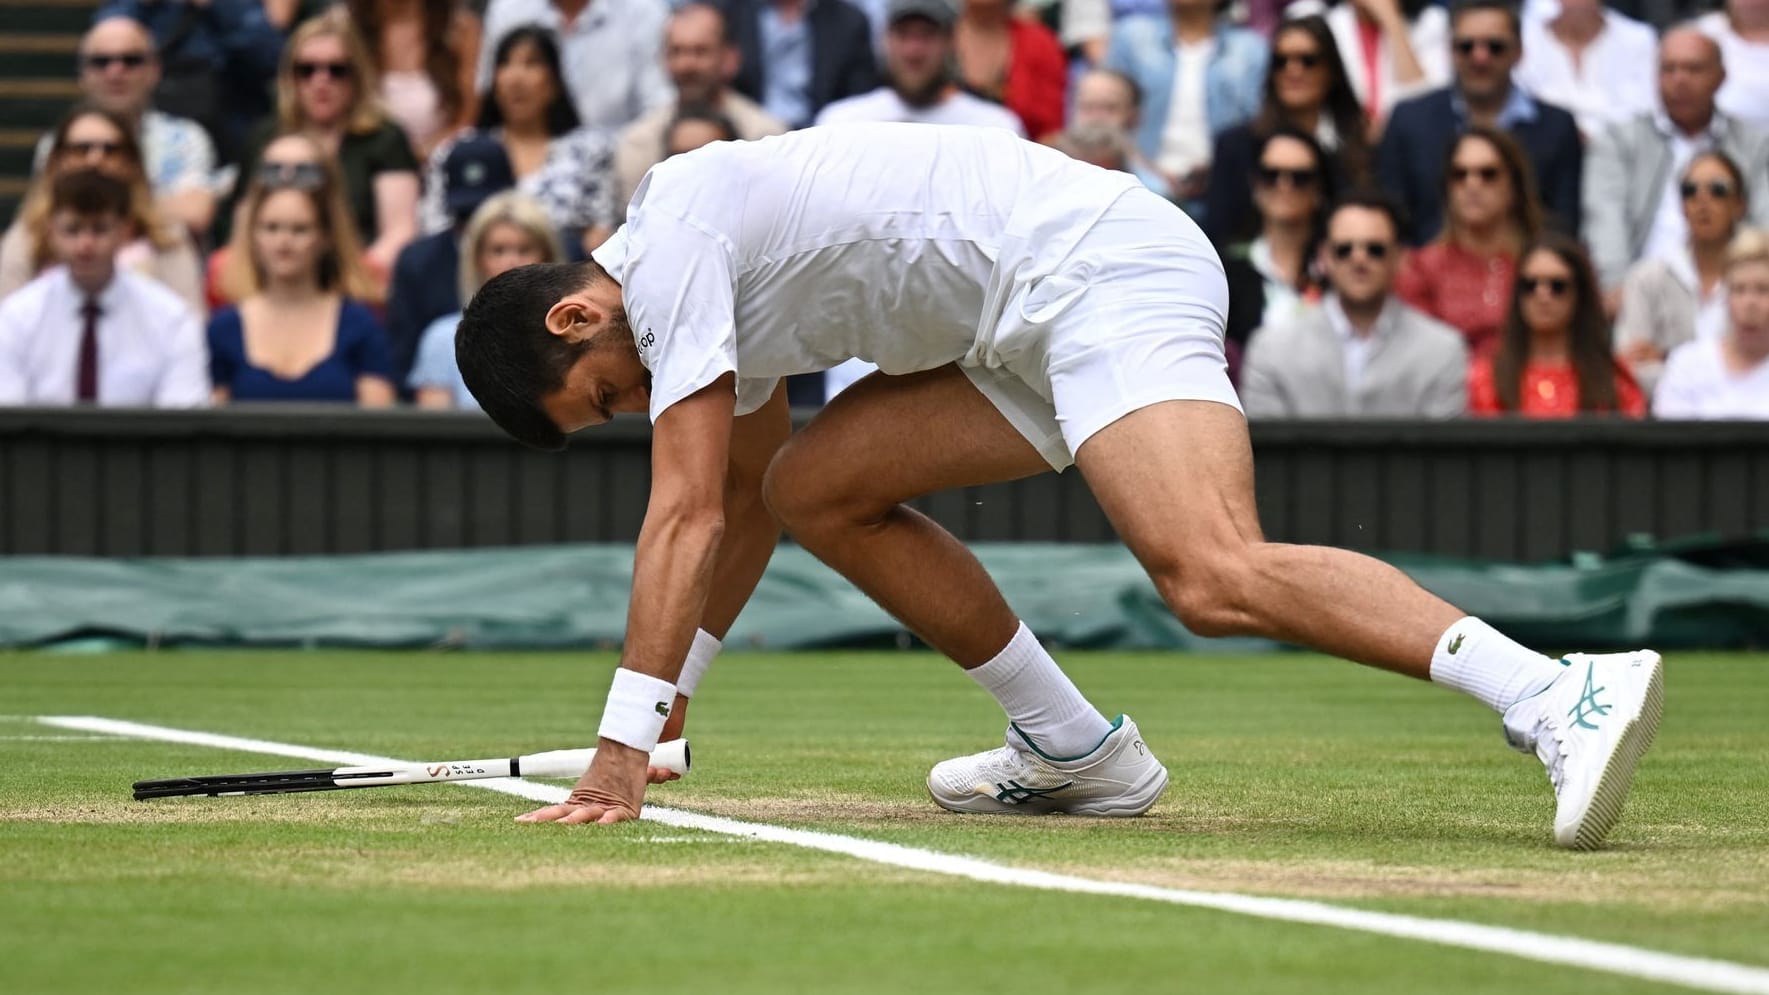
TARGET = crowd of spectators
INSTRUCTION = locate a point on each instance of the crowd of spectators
(1423, 210)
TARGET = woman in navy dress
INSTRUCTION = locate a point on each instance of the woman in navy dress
(297, 334)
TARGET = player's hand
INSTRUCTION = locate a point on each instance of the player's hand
(611, 791)
(672, 729)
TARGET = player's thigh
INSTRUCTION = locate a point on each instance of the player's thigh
(1176, 480)
(887, 439)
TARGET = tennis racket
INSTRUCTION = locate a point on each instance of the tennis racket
(672, 755)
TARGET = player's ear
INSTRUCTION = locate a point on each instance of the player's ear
(573, 319)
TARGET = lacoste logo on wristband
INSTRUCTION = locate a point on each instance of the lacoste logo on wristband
(663, 709)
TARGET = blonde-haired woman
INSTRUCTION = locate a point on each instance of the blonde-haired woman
(326, 86)
(296, 333)
(1728, 376)
(91, 138)
(509, 230)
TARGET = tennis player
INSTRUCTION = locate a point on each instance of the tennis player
(1026, 312)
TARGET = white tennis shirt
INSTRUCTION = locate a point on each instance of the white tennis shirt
(907, 245)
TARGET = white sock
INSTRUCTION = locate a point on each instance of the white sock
(1041, 700)
(1477, 659)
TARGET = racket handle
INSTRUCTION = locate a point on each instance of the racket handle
(672, 755)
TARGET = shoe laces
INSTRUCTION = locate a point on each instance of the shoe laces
(1550, 740)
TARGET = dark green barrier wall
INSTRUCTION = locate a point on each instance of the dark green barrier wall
(251, 481)
(577, 596)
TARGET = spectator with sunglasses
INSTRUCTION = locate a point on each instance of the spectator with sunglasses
(326, 86)
(1681, 295)
(1305, 88)
(156, 247)
(1269, 280)
(1487, 42)
(1393, 50)
(1553, 358)
(1634, 209)
(1362, 353)
(1200, 75)
(1587, 58)
(568, 168)
(119, 69)
(299, 331)
(1728, 376)
(1463, 277)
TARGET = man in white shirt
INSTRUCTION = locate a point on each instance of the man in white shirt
(701, 60)
(85, 332)
(919, 82)
(1362, 353)
(1742, 31)
(610, 48)
(1590, 60)
(119, 69)
(1031, 313)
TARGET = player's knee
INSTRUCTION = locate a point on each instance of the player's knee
(1212, 600)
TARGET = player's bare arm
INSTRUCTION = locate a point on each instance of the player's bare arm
(672, 572)
(751, 533)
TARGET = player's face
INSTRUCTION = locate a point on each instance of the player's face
(607, 378)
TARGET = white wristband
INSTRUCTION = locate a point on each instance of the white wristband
(638, 706)
(700, 657)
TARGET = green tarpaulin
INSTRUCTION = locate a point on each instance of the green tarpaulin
(573, 596)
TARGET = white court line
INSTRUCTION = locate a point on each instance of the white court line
(1611, 958)
(64, 739)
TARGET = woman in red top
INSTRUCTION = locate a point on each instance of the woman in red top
(1553, 358)
(1015, 61)
(1463, 278)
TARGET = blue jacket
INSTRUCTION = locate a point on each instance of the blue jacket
(425, 287)
(1143, 49)
(1416, 147)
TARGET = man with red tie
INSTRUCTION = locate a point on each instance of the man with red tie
(86, 332)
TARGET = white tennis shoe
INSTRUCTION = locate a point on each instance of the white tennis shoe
(1119, 777)
(1590, 728)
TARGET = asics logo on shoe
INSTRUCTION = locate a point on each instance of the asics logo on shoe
(1013, 792)
(1140, 749)
(1588, 705)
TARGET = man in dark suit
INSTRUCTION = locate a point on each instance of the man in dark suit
(1486, 44)
(798, 55)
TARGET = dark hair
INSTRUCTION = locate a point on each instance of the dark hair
(1459, 8)
(442, 63)
(1372, 199)
(726, 38)
(130, 142)
(1526, 208)
(1341, 106)
(508, 359)
(561, 116)
(1587, 339)
(703, 114)
(1324, 186)
(89, 193)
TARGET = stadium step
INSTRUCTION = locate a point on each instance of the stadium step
(38, 39)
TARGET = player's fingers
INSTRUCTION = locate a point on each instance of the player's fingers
(661, 775)
(614, 815)
(581, 814)
(549, 814)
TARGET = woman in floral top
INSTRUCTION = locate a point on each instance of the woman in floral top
(568, 169)
(1463, 279)
(1553, 358)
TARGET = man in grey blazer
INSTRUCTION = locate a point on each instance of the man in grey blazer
(1362, 353)
(1632, 209)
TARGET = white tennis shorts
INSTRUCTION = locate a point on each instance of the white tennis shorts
(1134, 316)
